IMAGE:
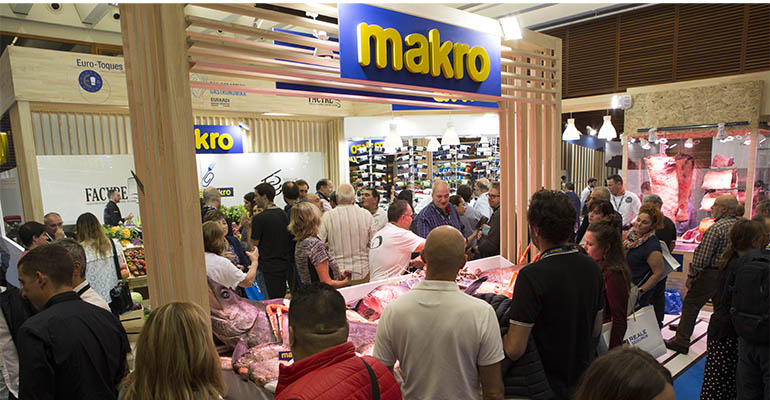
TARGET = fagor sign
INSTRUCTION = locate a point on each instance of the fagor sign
(433, 54)
(218, 139)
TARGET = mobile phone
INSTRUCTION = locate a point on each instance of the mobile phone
(483, 221)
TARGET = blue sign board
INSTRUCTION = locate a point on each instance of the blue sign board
(218, 139)
(382, 45)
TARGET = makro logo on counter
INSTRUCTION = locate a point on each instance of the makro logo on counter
(385, 45)
(218, 139)
(99, 194)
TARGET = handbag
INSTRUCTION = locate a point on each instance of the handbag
(642, 332)
(120, 295)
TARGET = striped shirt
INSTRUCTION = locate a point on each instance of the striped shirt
(348, 228)
(431, 217)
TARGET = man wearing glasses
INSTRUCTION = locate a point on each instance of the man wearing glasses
(489, 244)
(391, 247)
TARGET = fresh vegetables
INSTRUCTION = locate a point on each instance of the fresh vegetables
(135, 261)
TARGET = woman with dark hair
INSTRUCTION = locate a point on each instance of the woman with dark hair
(644, 256)
(234, 251)
(100, 254)
(599, 210)
(603, 243)
(31, 235)
(626, 373)
(249, 202)
(719, 377)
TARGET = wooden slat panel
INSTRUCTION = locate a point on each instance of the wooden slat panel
(65, 133)
(709, 40)
(758, 38)
(592, 57)
(646, 50)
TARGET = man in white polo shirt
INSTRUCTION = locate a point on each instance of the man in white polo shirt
(435, 325)
(392, 246)
(623, 201)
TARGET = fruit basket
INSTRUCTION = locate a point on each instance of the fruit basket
(135, 264)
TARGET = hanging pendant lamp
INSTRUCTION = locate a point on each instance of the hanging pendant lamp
(607, 131)
(571, 132)
(393, 140)
(450, 137)
(433, 145)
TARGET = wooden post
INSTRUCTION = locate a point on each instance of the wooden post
(26, 161)
(752, 173)
(157, 75)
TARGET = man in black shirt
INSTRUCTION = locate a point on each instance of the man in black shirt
(489, 244)
(70, 349)
(558, 299)
(269, 232)
(290, 192)
(112, 215)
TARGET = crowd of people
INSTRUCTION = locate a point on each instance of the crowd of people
(597, 264)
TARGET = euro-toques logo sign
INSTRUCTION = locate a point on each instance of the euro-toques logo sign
(383, 45)
(218, 139)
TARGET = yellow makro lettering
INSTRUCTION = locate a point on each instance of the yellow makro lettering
(381, 39)
(213, 140)
(423, 55)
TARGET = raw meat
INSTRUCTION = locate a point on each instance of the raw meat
(260, 363)
(664, 182)
(685, 165)
(722, 161)
(709, 198)
(689, 236)
(724, 179)
(372, 305)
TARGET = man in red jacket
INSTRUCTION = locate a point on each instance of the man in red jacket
(325, 364)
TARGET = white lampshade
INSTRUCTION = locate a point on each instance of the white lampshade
(607, 131)
(450, 136)
(433, 145)
(393, 140)
(571, 132)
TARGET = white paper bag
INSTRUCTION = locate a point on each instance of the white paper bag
(670, 264)
(642, 332)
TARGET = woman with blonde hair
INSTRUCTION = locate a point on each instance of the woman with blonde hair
(175, 357)
(313, 261)
(101, 255)
(219, 268)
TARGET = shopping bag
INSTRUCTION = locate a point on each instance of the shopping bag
(257, 292)
(670, 264)
(642, 332)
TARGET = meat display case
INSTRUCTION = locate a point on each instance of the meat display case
(689, 170)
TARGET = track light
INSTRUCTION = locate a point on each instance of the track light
(511, 28)
(645, 144)
(722, 133)
(652, 135)
(689, 143)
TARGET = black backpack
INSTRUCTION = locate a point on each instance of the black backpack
(748, 296)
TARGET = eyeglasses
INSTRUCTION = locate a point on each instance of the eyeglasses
(494, 195)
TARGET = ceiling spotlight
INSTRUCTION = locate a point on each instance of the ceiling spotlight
(450, 136)
(607, 131)
(689, 143)
(511, 28)
(244, 126)
(652, 135)
(571, 132)
(645, 144)
(590, 131)
(433, 144)
(721, 132)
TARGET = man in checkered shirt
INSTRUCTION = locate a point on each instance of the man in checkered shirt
(704, 270)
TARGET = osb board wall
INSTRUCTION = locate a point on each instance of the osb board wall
(727, 102)
(53, 76)
(6, 83)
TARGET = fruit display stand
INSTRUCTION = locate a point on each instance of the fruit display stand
(135, 269)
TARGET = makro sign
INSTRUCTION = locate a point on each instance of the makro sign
(218, 139)
(384, 45)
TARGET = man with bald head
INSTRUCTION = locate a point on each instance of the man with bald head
(439, 212)
(704, 270)
(348, 228)
(482, 201)
(435, 325)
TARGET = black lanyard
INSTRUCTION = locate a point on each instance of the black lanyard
(620, 203)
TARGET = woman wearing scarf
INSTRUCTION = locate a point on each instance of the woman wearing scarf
(644, 256)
